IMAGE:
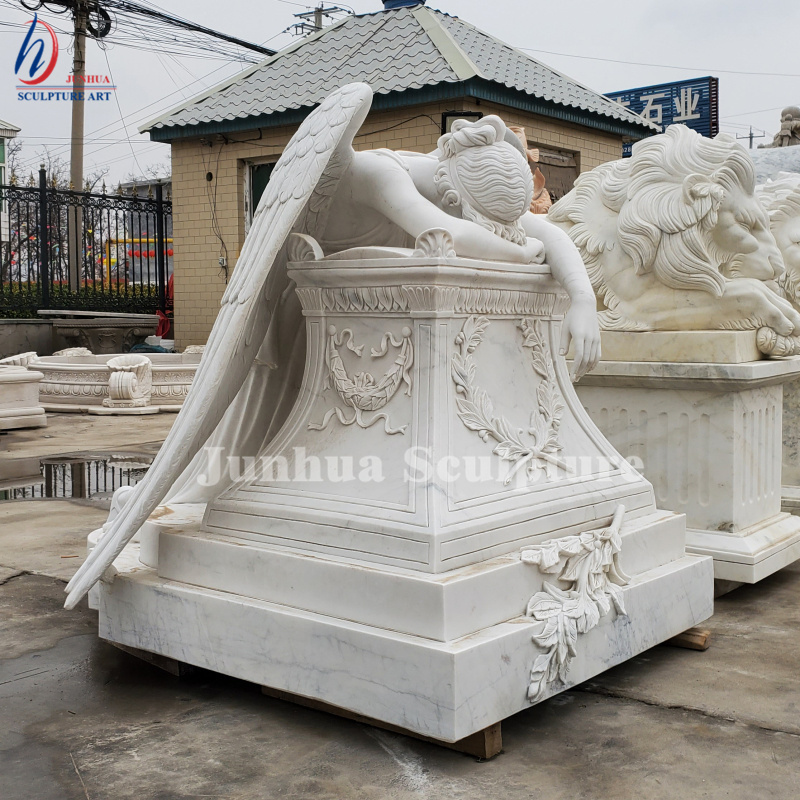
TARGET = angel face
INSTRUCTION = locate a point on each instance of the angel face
(742, 236)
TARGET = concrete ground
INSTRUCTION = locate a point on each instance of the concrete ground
(80, 720)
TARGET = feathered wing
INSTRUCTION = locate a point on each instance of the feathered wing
(240, 330)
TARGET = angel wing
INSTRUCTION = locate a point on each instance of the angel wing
(297, 194)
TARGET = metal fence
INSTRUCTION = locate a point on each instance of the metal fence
(63, 249)
(81, 477)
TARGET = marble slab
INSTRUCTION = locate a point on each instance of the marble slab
(442, 606)
(446, 690)
(720, 347)
(752, 554)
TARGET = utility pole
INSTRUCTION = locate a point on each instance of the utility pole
(751, 136)
(92, 18)
(75, 211)
(306, 26)
(80, 18)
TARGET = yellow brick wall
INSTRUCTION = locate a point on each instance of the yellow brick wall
(204, 211)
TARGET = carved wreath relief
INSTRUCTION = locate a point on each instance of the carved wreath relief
(528, 450)
(362, 393)
(588, 562)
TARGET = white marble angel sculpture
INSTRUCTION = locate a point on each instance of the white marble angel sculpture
(477, 186)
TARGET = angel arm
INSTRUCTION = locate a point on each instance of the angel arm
(384, 186)
(580, 325)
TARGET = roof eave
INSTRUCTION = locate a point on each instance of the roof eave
(477, 88)
(7, 130)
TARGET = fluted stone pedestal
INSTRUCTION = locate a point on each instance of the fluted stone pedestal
(709, 436)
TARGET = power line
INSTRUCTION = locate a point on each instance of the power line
(89, 139)
(121, 116)
(151, 109)
(663, 66)
(748, 113)
(136, 116)
(150, 12)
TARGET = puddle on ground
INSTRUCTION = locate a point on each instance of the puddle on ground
(75, 475)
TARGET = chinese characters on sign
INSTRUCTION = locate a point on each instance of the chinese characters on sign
(694, 103)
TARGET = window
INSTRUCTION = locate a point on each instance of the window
(560, 169)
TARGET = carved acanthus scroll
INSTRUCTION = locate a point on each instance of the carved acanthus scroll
(589, 563)
(130, 382)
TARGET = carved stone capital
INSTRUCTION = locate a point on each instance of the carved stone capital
(130, 382)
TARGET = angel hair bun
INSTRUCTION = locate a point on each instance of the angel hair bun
(465, 134)
(485, 176)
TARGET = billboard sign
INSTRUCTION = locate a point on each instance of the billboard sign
(694, 103)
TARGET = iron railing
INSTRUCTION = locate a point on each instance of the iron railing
(63, 249)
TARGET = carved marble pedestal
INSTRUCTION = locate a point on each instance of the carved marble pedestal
(103, 335)
(19, 398)
(790, 477)
(709, 437)
(437, 527)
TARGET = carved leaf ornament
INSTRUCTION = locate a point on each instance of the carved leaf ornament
(588, 563)
(476, 411)
(362, 392)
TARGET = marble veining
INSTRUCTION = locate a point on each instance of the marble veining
(418, 293)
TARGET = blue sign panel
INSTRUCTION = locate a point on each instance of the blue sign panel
(694, 103)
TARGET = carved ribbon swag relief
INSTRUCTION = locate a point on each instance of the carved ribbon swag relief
(362, 393)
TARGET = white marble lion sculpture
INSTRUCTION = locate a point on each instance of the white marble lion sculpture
(676, 238)
(781, 199)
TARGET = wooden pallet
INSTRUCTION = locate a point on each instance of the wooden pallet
(483, 744)
(693, 639)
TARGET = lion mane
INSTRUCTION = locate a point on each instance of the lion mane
(781, 199)
(666, 198)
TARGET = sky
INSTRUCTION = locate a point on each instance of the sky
(610, 46)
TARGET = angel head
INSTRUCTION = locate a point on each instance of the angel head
(485, 177)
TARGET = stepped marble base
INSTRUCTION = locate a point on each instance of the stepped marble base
(441, 655)
(419, 592)
(750, 554)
